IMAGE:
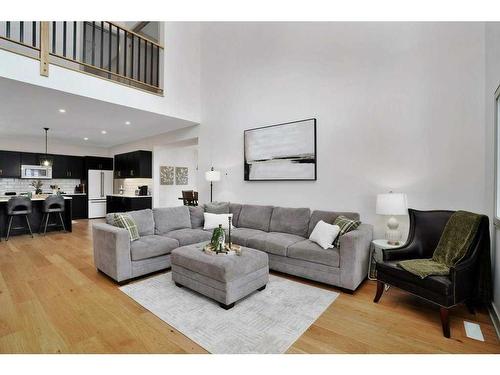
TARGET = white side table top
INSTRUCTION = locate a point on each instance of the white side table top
(383, 244)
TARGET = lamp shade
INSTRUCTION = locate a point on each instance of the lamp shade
(392, 204)
(212, 176)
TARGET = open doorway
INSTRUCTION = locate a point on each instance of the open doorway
(175, 169)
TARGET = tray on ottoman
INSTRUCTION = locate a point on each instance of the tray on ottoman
(225, 279)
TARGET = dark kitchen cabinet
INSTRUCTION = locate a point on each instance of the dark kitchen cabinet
(10, 164)
(33, 158)
(99, 163)
(79, 206)
(136, 164)
(125, 204)
(65, 166)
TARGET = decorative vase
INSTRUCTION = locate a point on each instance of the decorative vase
(218, 240)
(38, 191)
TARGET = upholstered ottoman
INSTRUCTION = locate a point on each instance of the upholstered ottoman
(224, 278)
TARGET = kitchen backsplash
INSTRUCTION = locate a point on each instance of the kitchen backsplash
(24, 185)
(130, 185)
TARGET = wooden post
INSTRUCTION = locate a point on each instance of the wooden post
(44, 48)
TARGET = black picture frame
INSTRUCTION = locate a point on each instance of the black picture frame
(246, 165)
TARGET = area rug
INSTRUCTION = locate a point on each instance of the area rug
(269, 321)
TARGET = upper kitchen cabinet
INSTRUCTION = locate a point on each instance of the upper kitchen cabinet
(10, 164)
(65, 166)
(136, 164)
(99, 163)
(31, 158)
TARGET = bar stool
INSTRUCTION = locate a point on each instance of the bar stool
(18, 206)
(53, 204)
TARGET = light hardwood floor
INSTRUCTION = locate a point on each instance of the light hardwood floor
(52, 300)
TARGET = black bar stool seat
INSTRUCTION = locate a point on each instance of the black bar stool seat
(53, 204)
(18, 206)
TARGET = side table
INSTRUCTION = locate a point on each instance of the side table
(376, 254)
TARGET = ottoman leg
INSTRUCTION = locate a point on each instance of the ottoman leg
(178, 285)
(226, 307)
(262, 288)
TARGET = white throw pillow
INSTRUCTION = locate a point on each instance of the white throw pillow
(324, 234)
(212, 221)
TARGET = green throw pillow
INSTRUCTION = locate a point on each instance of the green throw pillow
(346, 225)
(124, 220)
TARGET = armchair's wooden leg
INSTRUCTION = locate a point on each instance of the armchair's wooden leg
(380, 290)
(445, 321)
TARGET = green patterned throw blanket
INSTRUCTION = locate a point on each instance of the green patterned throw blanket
(456, 239)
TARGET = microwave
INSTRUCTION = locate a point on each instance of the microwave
(36, 171)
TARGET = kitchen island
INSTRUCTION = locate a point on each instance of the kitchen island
(124, 203)
(35, 217)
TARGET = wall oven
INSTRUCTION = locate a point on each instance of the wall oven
(36, 171)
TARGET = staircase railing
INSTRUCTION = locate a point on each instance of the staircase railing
(100, 48)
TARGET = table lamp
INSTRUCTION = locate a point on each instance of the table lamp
(212, 176)
(392, 204)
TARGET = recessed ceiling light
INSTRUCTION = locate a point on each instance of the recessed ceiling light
(85, 138)
(103, 131)
(127, 122)
(62, 110)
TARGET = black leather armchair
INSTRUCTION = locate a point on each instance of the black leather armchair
(461, 285)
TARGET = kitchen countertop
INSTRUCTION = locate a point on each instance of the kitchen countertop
(129, 196)
(6, 198)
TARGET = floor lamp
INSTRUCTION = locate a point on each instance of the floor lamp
(212, 176)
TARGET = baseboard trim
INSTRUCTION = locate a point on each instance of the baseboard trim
(495, 318)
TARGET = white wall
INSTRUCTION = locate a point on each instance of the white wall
(491, 83)
(181, 77)
(177, 156)
(399, 106)
(55, 146)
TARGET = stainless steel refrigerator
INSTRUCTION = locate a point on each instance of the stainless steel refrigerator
(100, 185)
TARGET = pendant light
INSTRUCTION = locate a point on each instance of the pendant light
(45, 160)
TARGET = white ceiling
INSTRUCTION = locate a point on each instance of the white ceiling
(26, 109)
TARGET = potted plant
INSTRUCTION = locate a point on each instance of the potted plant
(37, 184)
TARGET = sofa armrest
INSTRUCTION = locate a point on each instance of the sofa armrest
(354, 253)
(112, 251)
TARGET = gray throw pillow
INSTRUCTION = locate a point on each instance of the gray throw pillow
(217, 207)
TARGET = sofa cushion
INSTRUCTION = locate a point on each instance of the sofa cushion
(217, 207)
(125, 221)
(168, 219)
(240, 236)
(438, 284)
(144, 220)
(328, 217)
(309, 251)
(189, 236)
(196, 216)
(235, 209)
(152, 246)
(255, 217)
(274, 242)
(290, 220)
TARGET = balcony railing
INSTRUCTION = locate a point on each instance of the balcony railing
(100, 48)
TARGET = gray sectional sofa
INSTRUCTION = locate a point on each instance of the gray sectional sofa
(280, 232)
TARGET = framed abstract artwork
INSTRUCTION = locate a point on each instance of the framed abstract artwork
(282, 152)
(181, 175)
(166, 175)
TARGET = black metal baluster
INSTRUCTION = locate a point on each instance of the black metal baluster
(21, 31)
(7, 29)
(84, 52)
(93, 44)
(157, 66)
(138, 59)
(74, 40)
(118, 50)
(109, 48)
(102, 44)
(145, 61)
(33, 34)
(64, 38)
(151, 67)
(125, 54)
(132, 58)
(53, 37)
